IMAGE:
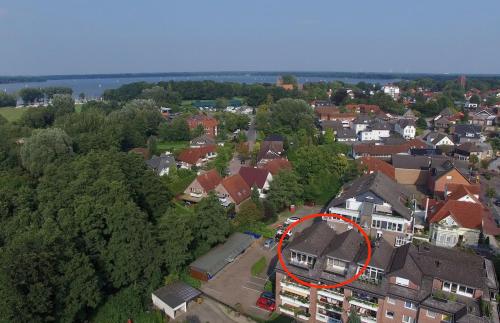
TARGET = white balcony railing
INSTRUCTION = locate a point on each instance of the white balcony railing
(325, 318)
(367, 319)
(295, 288)
(294, 301)
(364, 304)
(329, 293)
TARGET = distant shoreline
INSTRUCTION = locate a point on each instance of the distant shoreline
(357, 75)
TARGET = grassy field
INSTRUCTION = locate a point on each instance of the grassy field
(12, 114)
(172, 145)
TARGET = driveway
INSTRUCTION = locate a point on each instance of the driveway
(208, 311)
(236, 287)
(251, 134)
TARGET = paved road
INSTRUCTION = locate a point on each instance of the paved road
(251, 133)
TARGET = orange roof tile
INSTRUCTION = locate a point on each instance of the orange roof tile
(209, 180)
(276, 165)
(237, 188)
(377, 165)
(466, 214)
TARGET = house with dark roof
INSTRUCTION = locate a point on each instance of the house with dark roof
(379, 205)
(202, 141)
(406, 128)
(346, 135)
(270, 148)
(407, 283)
(202, 185)
(385, 151)
(467, 133)
(436, 139)
(482, 150)
(161, 164)
(233, 190)
(259, 178)
(173, 298)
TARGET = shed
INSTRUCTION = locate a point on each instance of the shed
(205, 267)
(174, 297)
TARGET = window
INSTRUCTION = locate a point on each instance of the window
(408, 319)
(372, 273)
(402, 281)
(389, 314)
(458, 289)
(385, 225)
(391, 300)
(410, 305)
(431, 314)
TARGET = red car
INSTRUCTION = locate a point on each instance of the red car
(266, 301)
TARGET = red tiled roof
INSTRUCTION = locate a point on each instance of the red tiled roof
(377, 165)
(363, 108)
(458, 191)
(326, 110)
(276, 165)
(209, 180)
(385, 150)
(254, 176)
(466, 214)
(207, 121)
(192, 155)
(237, 188)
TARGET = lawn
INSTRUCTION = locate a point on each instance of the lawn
(178, 184)
(12, 114)
(171, 145)
(258, 267)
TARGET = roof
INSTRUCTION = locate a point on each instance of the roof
(312, 239)
(380, 185)
(203, 140)
(456, 191)
(346, 133)
(197, 119)
(406, 122)
(217, 258)
(192, 155)
(411, 162)
(209, 180)
(276, 165)
(274, 137)
(470, 147)
(343, 245)
(377, 165)
(159, 163)
(466, 214)
(436, 137)
(328, 110)
(176, 294)
(386, 150)
(254, 176)
(363, 108)
(336, 125)
(237, 188)
(463, 129)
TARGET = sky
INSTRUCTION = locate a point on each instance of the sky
(122, 36)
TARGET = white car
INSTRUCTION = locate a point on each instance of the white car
(291, 220)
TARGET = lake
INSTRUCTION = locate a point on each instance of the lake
(94, 87)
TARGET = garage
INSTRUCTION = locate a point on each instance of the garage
(173, 298)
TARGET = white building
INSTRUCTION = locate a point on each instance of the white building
(391, 90)
(406, 128)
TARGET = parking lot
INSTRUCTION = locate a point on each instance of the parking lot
(235, 285)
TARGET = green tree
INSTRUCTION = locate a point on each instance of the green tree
(221, 103)
(63, 104)
(176, 130)
(248, 213)
(284, 190)
(329, 137)
(7, 100)
(421, 123)
(211, 225)
(31, 95)
(475, 99)
(44, 147)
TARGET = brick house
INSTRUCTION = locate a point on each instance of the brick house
(209, 124)
(233, 190)
(257, 177)
(369, 165)
(446, 174)
(190, 157)
(202, 185)
(408, 283)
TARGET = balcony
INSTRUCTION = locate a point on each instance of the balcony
(294, 287)
(303, 264)
(331, 293)
(324, 317)
(368, 319)
(286, 310)
(363, 303)
(294, 299)
(297, 312)
(327, 307)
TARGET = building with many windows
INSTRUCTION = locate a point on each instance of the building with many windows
(409, 283)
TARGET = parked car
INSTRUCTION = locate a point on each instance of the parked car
(266, 302)
(291, 220)
(269, 243)
(497, 202)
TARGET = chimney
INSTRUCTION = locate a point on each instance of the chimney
(437, 263)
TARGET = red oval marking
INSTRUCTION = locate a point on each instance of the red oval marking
(345, 282)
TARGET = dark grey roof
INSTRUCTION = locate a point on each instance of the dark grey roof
(344, 246)
(406, 122)
(362, 119)
(312, 239)
(381, 125)
(382, 253)
(336, 125)
(217, 258)
(346, 133)
(462, 129)
(380, 185)
(162, 162)
(176, 293)
(274, 137)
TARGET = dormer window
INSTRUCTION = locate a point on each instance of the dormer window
(372, 274)
(458, 289)
(336, 265)
(301, 259)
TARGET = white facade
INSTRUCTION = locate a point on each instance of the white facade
(391, 90)
(374, 134)
(407, 132)
(167, 309)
